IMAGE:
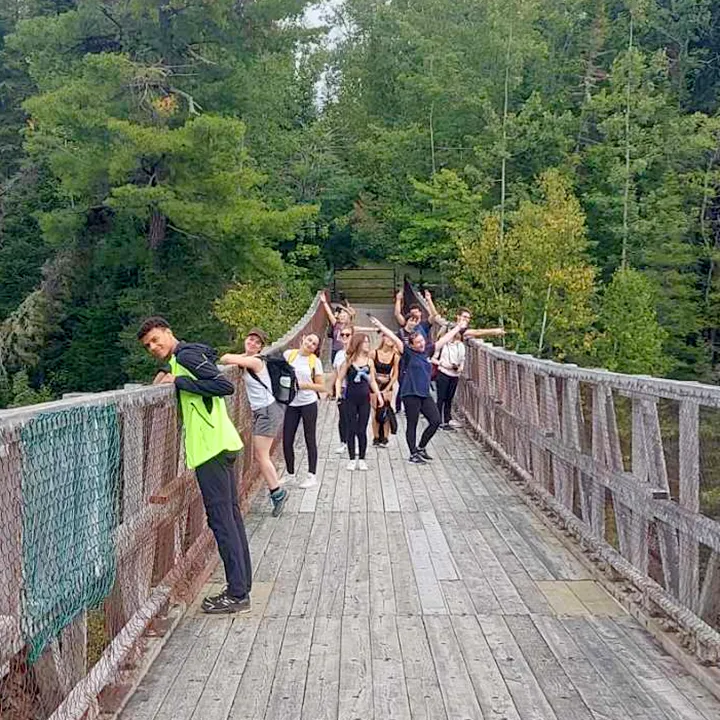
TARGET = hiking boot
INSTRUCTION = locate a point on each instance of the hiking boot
(423, 453)
(417, 459)
(278, 497)
(224, 604)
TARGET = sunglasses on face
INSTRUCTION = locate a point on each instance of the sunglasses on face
(345, 334)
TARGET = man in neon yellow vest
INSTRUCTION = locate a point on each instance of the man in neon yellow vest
(211, 447)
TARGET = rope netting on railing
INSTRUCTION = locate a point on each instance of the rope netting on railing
(630, 464)
(101, 528)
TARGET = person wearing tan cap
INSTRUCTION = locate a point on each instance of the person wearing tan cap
(267, 413)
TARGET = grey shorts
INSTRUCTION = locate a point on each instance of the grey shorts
(267, 420)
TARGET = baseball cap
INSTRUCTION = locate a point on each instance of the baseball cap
(260, 333)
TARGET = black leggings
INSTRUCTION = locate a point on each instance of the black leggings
(414, 405)
(309, 414)
(343, 430)
(446, 388)
(358, 413)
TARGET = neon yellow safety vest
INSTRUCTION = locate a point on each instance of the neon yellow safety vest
(207, 434)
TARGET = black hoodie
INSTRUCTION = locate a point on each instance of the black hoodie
(200, 360)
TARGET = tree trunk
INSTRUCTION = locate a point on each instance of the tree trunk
(157, 229)
(626, 201)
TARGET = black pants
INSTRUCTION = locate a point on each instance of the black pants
(446, 388)
(343, 429)
(358, 414)
(415, 405)
(308, 414)
(219, 494)
(398, 399)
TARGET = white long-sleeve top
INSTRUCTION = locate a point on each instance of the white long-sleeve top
(452, 353)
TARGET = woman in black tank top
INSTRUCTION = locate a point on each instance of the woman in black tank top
(359, 370)
(387, 364)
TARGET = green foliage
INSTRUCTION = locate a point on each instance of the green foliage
(155, 155)
(535, 279)
(271, 305)
(149, 124)
(632, 338)
(24, 394)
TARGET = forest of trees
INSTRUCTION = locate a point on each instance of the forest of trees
(557, 162)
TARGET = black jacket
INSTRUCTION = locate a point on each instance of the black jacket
(200, 360)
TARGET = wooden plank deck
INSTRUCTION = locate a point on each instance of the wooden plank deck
(414, 593)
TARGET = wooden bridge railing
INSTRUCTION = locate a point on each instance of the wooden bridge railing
(630, 464)
(101, 527)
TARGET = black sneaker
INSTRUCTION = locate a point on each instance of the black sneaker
(385, 441)
(278, 497)
(417, 459)
(423, 453)
(448, 427)
(224, 604)
(376, 442)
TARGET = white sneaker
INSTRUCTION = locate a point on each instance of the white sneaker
(308, 482)
(455, 424)
(287, 479)
(352, 465)
(362, 465)
(340, 449)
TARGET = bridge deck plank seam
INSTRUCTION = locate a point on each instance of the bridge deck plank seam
(403, 594)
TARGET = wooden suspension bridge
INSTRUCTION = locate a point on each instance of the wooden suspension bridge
(554, 561)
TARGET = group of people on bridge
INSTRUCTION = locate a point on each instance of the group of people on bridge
(365, 382)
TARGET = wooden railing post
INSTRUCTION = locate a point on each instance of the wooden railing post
(689, 476)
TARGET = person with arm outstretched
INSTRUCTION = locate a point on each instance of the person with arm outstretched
(341, 317)
(267, 414)
(415, 311)
(451, 363)
(465, 316)
(415, 387)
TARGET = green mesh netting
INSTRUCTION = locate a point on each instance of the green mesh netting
(71, 462)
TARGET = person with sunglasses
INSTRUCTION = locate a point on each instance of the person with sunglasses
(343, 426)
(339, 318)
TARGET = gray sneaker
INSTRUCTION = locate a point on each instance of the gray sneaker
(225, 604)
(278, 498)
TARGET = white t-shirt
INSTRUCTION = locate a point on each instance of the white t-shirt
(303, 373)
(338, 362)
(340, 358)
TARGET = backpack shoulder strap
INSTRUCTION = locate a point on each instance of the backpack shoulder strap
(293, 356)
(257, 378)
